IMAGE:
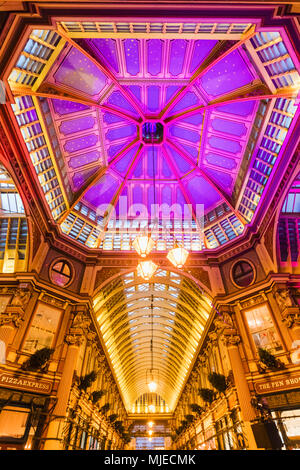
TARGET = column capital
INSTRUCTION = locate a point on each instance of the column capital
(230, 337)
(79, 329)
(291, 316)
(13, 316)
(285, 297)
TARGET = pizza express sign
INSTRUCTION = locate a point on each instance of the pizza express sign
(277, 385)
(9, 380)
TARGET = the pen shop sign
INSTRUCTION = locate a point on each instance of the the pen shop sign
(287, 382)
(9, 380)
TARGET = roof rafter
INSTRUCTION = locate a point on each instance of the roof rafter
(57, 93)
(228, 99)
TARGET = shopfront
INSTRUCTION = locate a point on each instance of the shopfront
(23, 412)
(281, 397)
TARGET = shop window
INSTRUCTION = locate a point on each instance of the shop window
(291, 421)
(43, 328)
(13, 422)
(224, 435)
(243, 274)
(61, 273)
(262, 329)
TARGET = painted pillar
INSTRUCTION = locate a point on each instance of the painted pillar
(247, 411)
(74, 338)
(53, 441)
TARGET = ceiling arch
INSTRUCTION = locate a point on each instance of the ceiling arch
(170, 310)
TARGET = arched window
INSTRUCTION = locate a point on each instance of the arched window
(13, 226)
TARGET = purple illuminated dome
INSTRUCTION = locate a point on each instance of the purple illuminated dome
(122, 113)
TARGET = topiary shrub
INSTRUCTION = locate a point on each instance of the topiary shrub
(86, 381)
(218, 381)
(207, 395)
(38, 360)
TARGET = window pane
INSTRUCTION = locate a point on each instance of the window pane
(43, 328)
(262, 328)
(13, 421)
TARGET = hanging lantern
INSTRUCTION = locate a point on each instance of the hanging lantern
(152, 379)
(152, 386)
(143, 245)
(178, 256)
(146, 269)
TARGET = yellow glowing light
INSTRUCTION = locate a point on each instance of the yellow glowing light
(143, 244)
(152, 386)
(150, 424)
(146, 269)
(178, 256)
(152, 408)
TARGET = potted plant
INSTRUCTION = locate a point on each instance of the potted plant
(269, 360)
(218, 381)
(86, 381)
(207, 395)
(196, 408)
(118, 425)
(105, 408)
(112, 417)
(38, 360)
(96, 395)
(189, 418)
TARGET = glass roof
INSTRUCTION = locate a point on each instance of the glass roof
(83, 102)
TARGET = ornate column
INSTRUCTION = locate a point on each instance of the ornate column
(78, 330)
(228, 334)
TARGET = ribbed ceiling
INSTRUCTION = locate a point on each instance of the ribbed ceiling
(180, 311)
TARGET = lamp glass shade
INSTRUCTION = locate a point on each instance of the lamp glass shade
(178, 256)
(152, 386)
(143, 245)
(146, 269)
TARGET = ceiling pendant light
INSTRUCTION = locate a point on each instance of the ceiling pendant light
(143, 244)
(146, 269)
(152, 374)
(178, 256)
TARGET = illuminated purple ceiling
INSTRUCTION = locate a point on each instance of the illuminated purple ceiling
(138, 80)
